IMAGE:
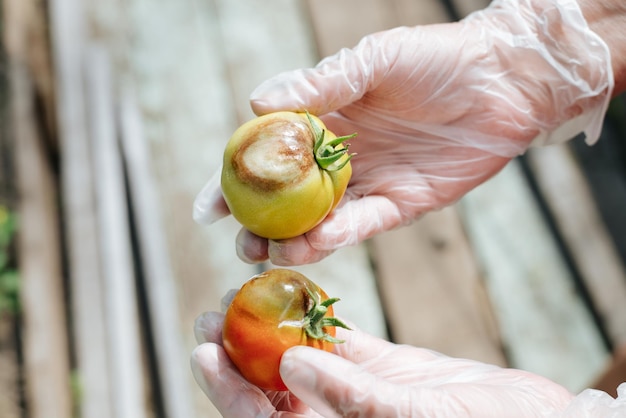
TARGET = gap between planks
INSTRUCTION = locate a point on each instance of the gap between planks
(571, 203)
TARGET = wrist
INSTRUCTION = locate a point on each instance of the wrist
(608, 20)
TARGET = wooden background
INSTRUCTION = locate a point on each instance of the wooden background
(115, 114)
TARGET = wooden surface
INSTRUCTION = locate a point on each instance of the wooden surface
(545, 325)
(511, 275)
(45, 352)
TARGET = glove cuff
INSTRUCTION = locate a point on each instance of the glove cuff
(575, 65)
(593, 403)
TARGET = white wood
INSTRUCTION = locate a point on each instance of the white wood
(262, 39)
(121, 311)
(160, 284)
(67, 29)
(545, 325)
(176, 67)
(567, 193)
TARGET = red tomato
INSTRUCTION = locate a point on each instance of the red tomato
(272, 312)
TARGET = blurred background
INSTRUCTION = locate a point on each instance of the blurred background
(114, 114)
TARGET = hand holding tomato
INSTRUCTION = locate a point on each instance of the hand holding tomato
(369, 377)
(272, 312)
(439, 109)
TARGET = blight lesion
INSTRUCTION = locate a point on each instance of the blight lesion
(275, 154)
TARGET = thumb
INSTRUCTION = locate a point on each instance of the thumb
(334, 83)
(334, 386)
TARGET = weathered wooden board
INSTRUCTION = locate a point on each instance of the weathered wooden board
(10, 390)
(584, 234)
(44, 324)
(10, 396)
(118, 269)
(186, 112)
(614, 373)
(546, 327)
(433, 290)
(335, 26)
(68, 33)
(159, 284)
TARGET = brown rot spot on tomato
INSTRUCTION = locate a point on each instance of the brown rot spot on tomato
(275, 154)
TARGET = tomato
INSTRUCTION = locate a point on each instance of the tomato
(283, 173)
(272, 312)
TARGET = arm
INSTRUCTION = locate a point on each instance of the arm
(608, 20)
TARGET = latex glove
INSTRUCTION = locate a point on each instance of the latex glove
(370, 377)
(438, 110)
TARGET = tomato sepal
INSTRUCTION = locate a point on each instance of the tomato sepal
(315, 320)
(328, 153)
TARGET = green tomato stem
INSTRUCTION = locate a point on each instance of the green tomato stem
(329, 153)
(315, 320)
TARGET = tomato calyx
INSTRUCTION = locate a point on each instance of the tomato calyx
(328, 154)
(315, 320)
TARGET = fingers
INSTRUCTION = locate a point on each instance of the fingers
(208, 328)
(227, 299)
(289, 252)
(209, 205)
(251, 248)
(218, 378)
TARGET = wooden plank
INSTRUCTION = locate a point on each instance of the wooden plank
(571, 203)
(335, 27)
(465, 7)
(44, 331)
(121, 311)
(160, 284)
(433, 291)
(545, 326)
(68, 35)
(614, 374)
(187, 114)
(10, 396)
(10, 389)
(258, 48)
(268, 49)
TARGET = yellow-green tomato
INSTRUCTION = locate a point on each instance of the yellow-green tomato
(283, 173)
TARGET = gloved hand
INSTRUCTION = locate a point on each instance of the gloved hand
(438, 110)
(370, 377)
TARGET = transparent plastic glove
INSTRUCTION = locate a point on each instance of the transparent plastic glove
(438, 110)
(370, 377)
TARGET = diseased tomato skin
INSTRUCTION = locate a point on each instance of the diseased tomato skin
(271, 181)
(265, 318)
